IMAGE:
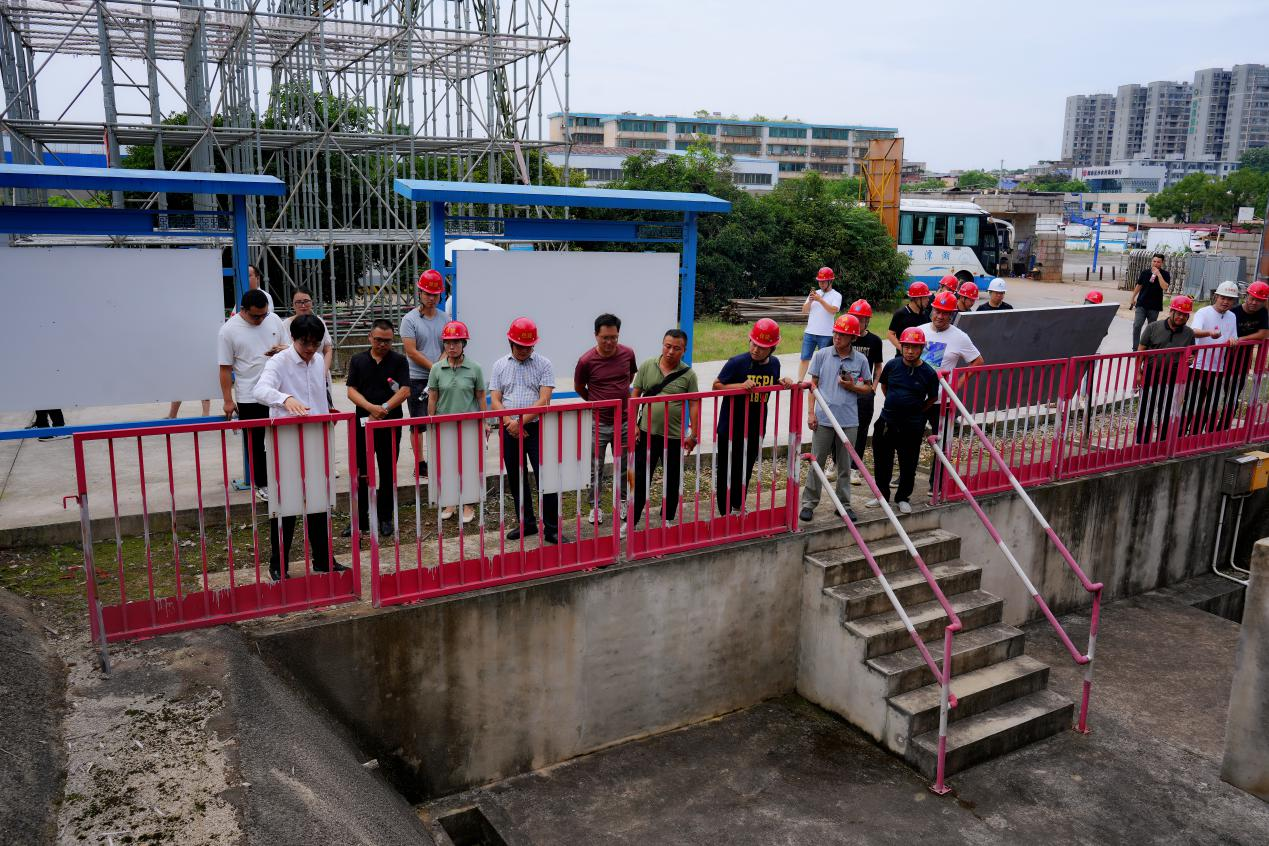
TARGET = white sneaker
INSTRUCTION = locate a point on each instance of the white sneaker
(855, 478)
(596, 516)
(622, 532)
(623, 511)
(263, 493)
(904, 507)
(872, 503)
(447, 513)
(831, 475)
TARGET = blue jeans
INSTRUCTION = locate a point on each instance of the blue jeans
(811, 343)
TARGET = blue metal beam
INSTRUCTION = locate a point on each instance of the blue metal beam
(150, 181)
(76, 221)
(423, 190)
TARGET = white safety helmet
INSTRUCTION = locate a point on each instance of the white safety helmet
(1227, 289)
(997, 285)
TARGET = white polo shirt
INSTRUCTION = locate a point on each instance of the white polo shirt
(242, 346)
(1207, 319)
(819, 321)
(288, 375)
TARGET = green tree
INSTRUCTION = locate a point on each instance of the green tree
(1184, 201)
(974, 180)
(1054, 183)
(1255, 158)
(847, 189)
(923, 185)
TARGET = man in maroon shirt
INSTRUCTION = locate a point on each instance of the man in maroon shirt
(605, 372)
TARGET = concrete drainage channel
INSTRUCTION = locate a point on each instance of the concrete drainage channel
(466, 827)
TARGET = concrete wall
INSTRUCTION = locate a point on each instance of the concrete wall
(1246, 763)
(476, 688)
(1133, 530)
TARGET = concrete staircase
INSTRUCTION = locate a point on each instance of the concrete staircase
(859, 661)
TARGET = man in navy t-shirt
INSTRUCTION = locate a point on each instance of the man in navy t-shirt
(911, 388)
(743, 418)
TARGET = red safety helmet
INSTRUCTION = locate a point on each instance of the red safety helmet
(456, 330)
(1259, 290)
(431, 282)
(968, 289)
(1095, 297)
(918, 289)
(949, 282)
(848, 324)
(825, 275)
(765, 333)
(1185, 305)
(523, 331)
(912, 335)
(945, 301)
(860, 308)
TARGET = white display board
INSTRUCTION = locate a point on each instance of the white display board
(567, 448)
(563, 292)
(454, 484)
(287, 497)
(85, 326)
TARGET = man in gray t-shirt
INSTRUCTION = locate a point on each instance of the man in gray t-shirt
(421, 339)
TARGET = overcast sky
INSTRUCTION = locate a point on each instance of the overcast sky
(966, 83)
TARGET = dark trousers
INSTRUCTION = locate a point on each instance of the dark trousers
(733, 467)
(46, 417)
(888, 441)
(387, 449)
(865, 420)
(254, 438)
(648, 456)
(523, 491)
(1204, 398)
(416, 402)
(1154, 412)
(1238, 369)
(319, 547)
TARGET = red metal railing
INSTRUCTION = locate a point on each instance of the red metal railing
(217, 573)
(1060, 419)
(436, 557)
(721, 503)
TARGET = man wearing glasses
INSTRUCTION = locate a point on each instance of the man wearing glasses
(302, 303)
(245, 342)
(378, 384)
(293, 384)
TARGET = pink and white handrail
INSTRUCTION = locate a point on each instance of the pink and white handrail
(1094, 588)
(944, 674)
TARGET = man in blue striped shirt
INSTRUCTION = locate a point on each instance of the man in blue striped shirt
(524, 379)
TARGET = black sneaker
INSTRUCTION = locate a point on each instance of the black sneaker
(805, 515)
(385, 530)
(274, 574)
(339, 568)
(556, 537)
(515, 533)
(851, 514)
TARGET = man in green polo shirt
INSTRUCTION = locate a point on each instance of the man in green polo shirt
(455, 385)
(666, 440)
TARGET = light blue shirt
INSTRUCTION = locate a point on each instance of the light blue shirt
(825, 365)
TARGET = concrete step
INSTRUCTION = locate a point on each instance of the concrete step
(885, 633)
(906, 670)
(847, 564)
(977, 691)
(993, 733)
(866, 597)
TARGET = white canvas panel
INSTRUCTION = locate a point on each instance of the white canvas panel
(563, 292)
(286, 496)
(455, 487)
(567, 443)
(95, 326)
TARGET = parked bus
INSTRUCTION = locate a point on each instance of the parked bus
(948, 236)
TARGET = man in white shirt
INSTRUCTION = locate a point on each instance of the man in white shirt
(245, 342)
(302, 303)
(253, 283)
(1215, 327)
(293, 384)
(821, 308)
(946, 348)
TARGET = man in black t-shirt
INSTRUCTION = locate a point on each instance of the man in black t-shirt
(743, 417)
(1147, 296)
(870, 345)
(915, 312)
(378, 384)
(995, 297)
(1252, 318)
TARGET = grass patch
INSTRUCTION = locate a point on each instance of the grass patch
(715, 339)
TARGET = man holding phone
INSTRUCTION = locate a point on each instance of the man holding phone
(1147, 296)
(245, 343)
(843, 375)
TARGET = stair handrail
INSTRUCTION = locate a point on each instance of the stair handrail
(947, 699)
(1095, 588)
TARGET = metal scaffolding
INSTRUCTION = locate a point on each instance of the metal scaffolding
(337, 98)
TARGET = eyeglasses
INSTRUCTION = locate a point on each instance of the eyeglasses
(375, 340)
(301, 302)
(309, 344)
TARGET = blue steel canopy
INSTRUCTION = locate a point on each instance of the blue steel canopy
(153, 181)
(542, 195)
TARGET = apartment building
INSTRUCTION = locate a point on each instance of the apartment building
(1247, 113)
(1086, 132)
(1208, 108)
(1130, 120)
(832, 150)
(601, 165)
(1167, 121)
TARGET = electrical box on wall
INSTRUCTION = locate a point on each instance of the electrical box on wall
(1245, 473)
